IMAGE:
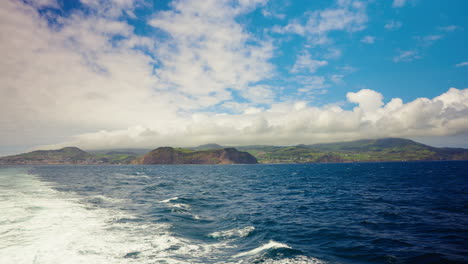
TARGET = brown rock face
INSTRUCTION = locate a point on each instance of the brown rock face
(168, 155)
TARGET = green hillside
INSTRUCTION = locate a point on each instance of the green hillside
(68, 155)
(369, 150)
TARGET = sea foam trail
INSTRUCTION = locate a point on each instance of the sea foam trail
(296, 260)
(271, 244)
(238, 232)
(41, 225)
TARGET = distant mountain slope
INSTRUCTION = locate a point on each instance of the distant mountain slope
(168, 155)
(207, 147)
(369, 150)
(371, 145)
(68, 155)
(132, 151)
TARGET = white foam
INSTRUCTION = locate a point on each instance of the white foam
(43, 226)
(237, 232)
(170, 199)
(296, 260)
(140, 175)
(269, 245)
(105, 199)
(180, 206)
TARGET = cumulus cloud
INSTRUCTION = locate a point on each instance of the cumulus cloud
(298, 122)
(462, 64)
(368, 100)
(89, 80)
(90, 71)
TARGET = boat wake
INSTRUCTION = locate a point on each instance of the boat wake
(39, 224)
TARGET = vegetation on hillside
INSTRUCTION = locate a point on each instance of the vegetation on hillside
(370, 150)
(388, 149)
(68, 155)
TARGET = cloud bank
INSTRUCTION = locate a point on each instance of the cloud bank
(295, 123)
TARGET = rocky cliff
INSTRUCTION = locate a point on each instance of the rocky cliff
(168, 155)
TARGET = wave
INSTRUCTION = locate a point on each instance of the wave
(270, 245)
(42, 225)
(101, 199)
(237, 232)
(273, 245)
(169, 200)
(296, 260)
(138, 175)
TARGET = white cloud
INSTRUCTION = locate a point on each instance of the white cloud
(429, 39)
(406, 55)
(368, 40)
(368, 100)
(297, 122)
(235, 107)
(398, 3)
(259, 94)
(337, 78)
(332, 54)
(432, 37)
(43, 3)
(268, 13)
(305, 62)
(462, 64)
(448, 28)
(87, 79)
(207, 51)
(88, 73)
(310, 83)
(393, 25)
(347, 69)
(349, 16)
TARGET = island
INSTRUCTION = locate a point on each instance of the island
(368, 150)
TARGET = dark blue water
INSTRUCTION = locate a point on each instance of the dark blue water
(314, 213)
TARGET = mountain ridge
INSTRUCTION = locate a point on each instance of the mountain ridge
(365, 150)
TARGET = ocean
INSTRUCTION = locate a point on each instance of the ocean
(402, 212)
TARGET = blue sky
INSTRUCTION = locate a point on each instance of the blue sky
(128, 73)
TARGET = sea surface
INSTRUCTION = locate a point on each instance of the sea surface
(407, 212)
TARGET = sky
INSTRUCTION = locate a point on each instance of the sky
(102, 74)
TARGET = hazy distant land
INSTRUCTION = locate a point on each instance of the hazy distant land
(369, 150)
